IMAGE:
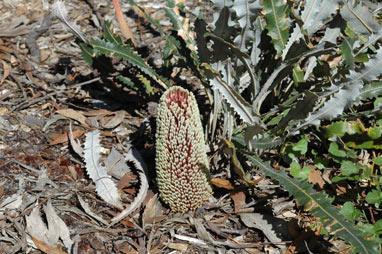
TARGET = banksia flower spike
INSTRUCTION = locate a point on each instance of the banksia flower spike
(181, 159)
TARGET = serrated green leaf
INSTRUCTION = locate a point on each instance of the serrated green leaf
(319, 205)
(109, 35)
(360, 18)
(261, 143)
(276, 14)
(347, 93)
(128, 54)
(234, 99)
(298, 75)
(146, 83)
(127, 81)
(370, 91)
(315, 14)
(172, 42)
(87, 53)
(347, 48)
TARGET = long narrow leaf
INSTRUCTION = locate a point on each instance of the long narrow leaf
(277, 23)
(105, 187)
(347, 94)
(319, 205)
(128, 54)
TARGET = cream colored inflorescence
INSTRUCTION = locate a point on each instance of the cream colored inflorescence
(181, 159)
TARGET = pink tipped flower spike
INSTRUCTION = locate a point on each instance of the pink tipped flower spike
(181, 159)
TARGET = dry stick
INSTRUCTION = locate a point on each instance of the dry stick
(96, 12)
(31, 102)
(32, 37)
(18, 82)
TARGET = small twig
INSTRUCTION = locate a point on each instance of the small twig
(31, 102)
(18, 82)
(27, 167)
(33, 35)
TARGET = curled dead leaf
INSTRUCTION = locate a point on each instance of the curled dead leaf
(75, 115)
(222, 183)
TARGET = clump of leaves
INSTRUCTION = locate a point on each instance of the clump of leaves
(277, 71)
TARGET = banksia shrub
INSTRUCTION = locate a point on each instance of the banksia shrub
(181, 159)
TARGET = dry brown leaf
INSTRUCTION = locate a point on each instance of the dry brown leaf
(98, 112)
(125, 181)
(153, 209)
(109, 122)
(178, 246)
(6, 49)
(220, 220)
(75, 115)
(124, 247)
(63, 138)
(6, 71)
(222, 183)
(47, 248)
(238, 200)
(3, 111)
(125, 29)
(316, 178)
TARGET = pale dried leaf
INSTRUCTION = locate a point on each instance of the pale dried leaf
(57, 227)
(36, 227)
(113, 122)
(88, 210)
(178, 246)
(105, 186)
(115, 164)
(75, 115)
(58, 9)
(134, 155)
(6, 71)
(125, 29)
(153, 209)
(260, 221)
(76, 147)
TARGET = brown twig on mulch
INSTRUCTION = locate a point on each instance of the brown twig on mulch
(32, 37)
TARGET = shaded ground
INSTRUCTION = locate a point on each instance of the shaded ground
(46, 88)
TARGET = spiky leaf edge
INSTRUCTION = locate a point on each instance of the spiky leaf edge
(319, 205)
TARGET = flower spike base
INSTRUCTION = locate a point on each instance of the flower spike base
(181, 159)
